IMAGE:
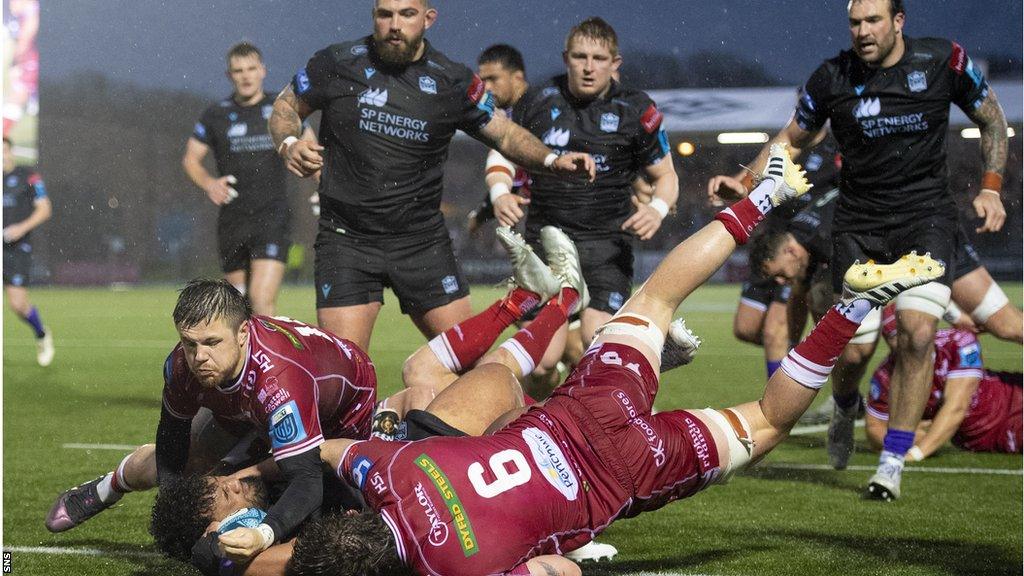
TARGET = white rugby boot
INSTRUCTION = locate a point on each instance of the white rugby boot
(593, 550)
(880, 283)
(885, 484)
(564, 260)
(529, 272)
(44, 349)
(789, 179)
(680, 346)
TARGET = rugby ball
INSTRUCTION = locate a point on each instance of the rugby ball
(243, 518)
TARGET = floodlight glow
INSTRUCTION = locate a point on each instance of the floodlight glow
(742, 138)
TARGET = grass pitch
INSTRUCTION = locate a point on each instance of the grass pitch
(791, 515)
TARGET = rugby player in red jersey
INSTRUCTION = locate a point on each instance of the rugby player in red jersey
(978, 409)
(234, 377)
(515, 501)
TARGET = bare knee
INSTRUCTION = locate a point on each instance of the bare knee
(1006, 324)
(915, 339)
(856, 354)
(423, 370)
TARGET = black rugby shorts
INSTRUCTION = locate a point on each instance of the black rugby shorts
(17, 264)
(421, 269)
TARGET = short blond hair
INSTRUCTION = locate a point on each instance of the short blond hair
(596, 29)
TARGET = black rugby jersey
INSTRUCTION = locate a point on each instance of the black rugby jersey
(891, 127)
(622, 131)
(242, 147)
(386, 131)
(22, 188)
(812, 227)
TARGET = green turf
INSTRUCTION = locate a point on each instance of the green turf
(104, 387)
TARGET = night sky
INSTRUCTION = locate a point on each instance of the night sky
(181, 44)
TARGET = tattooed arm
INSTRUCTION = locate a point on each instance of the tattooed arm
(988, 204)
(524, 149)
(300, 155)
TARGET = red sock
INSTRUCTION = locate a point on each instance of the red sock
(811, 362)
(528, 345)
(462, 345)
(740, 219)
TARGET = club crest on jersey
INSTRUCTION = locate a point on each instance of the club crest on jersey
(552, 462)
(876, 389)
(301, 82)
(360, 468)
(917, 81)
(238, 130)
(267, 111)
(558, 137)
(609, 122)
(867, 107)
(12, 181)
(374, 96)
(358, 50)
(450, 284)
(286, 426)
(369, 72)
(428, 85)
(555, 113)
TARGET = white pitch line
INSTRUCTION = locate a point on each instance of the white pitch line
(56, 550)
(924, 469)
(100, 446)
(804, 430)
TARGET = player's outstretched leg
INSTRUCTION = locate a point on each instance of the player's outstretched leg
(457, 349)
(523, 351)
(807, 366)
(695, 259)
(78, 504)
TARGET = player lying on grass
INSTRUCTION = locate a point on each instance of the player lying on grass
(514, 501)
(978, 409)
(235, 385)
(465, 404)
(283, 381)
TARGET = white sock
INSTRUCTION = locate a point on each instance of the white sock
(891, 458)
(855, 310)
(106, 491)
(761, 195)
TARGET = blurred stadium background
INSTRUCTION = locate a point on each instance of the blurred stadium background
(124, 212)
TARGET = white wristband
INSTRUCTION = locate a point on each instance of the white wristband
(283, 148)
(499, 190)
(268, 535)
(915, 453)
(659, 206)
(550, 159)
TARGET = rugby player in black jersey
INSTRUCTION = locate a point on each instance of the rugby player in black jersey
(391, 104)
(887, 101)
(253, 224)
(587, 110)
(799, 256)
(26, 206)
